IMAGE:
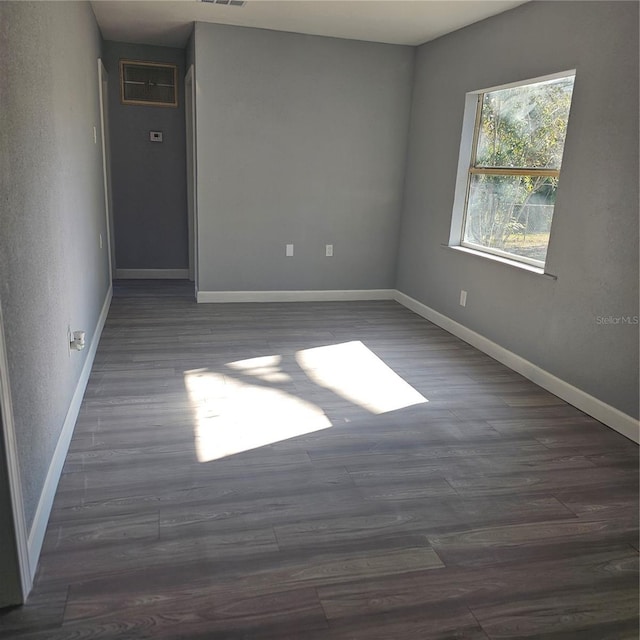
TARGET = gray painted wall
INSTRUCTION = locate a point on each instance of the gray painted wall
(594, 240)
(52, 270)
(301, 140)
(149, 184)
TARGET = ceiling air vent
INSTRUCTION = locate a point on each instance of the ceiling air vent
(229, 3)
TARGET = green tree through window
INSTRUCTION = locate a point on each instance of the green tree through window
(515, 167)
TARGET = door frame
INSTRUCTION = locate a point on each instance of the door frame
(103, 93)
(21, 533)
(192, 173)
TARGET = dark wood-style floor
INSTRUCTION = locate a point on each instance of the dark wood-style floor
(494, 510)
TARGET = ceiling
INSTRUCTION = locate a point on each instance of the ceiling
(169, 22)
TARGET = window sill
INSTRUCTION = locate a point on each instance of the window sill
(511, 263)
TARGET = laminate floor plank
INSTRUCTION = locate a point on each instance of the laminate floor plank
(541, 481)
(486, 587)
(326, 471)
(76, 565)
(424, 622)
(535, 541)
(429, 516)
(68, 536)
(578, 613)
(250, 577)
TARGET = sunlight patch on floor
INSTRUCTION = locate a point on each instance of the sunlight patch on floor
(234, 416)
(265, 368)
(355, 373)
(244, 409)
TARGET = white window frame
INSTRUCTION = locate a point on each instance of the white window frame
(472, 114)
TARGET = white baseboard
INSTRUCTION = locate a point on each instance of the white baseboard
(152, 274)
(41, 519)
(612, 417)
(296, 296)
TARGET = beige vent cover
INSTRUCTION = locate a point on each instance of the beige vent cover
(229, 3)
(148, 83)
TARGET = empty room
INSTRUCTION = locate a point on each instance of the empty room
(319, 319)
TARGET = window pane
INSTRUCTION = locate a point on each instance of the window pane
(511, 214)
(525, 126)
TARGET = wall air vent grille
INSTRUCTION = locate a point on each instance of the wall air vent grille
(148, 83)
(229, 3)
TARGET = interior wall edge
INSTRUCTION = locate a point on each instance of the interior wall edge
(43, 510)
(617, 420)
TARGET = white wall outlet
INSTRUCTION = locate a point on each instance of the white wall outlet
(100, 236)
(155, 136)
(95, 136)
(289, 251)
(463, 298)
(328, 250)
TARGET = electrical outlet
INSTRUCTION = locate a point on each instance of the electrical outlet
(101, 241)
(463, 298)
(288, 250)
(329, 250)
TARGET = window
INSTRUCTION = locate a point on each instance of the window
(515, 159)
